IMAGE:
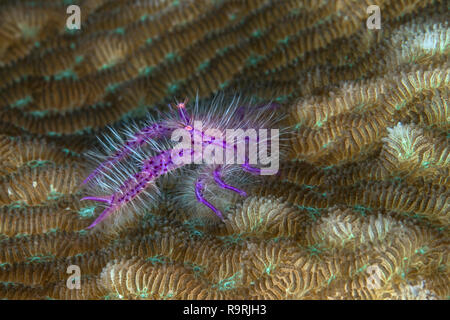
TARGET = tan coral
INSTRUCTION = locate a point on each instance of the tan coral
(359, 209)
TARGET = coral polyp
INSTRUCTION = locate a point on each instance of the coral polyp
(359, 208)
(217, 137)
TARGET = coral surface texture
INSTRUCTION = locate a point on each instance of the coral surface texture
(359, 208)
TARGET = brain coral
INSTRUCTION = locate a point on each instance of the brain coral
(359, 209)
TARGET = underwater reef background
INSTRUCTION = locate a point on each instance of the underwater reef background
(360, 209)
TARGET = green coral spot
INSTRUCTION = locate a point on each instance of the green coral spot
(257, 33)
(426, 164)
(54, 134)
(195, 267)
(147, 70)
(143, 293)
(79, 59)
(281, 99)
(39, 114)
(284, 41)
(71, 30)
(360, 106)
(24, 77)
(106, 66)
(191, 226)
(364, 267)
(66, 74)
(198, 269)
(314, 249)
(87, 212)
(268, 269)
(223, 85)
(422, 250)
(112, 87)
(167, 296)
(312, 212)
(21, 235)
(253, 59)
(203, 65)
(37, 163)
(297, 126)
(54, 194)
(228, 283)
(362, 210)
(156, 259)
(17, 204)
(41, 258)
(232, 239)
(69, 152)
(222, 51)
(331, 279)
(400, 106)
(173, 88)
(319, 123)
(171, 56)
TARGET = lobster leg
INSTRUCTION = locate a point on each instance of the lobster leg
(250, 169)
(199, 187)
(138, 139)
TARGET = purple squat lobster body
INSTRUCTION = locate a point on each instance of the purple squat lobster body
(168, 160)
